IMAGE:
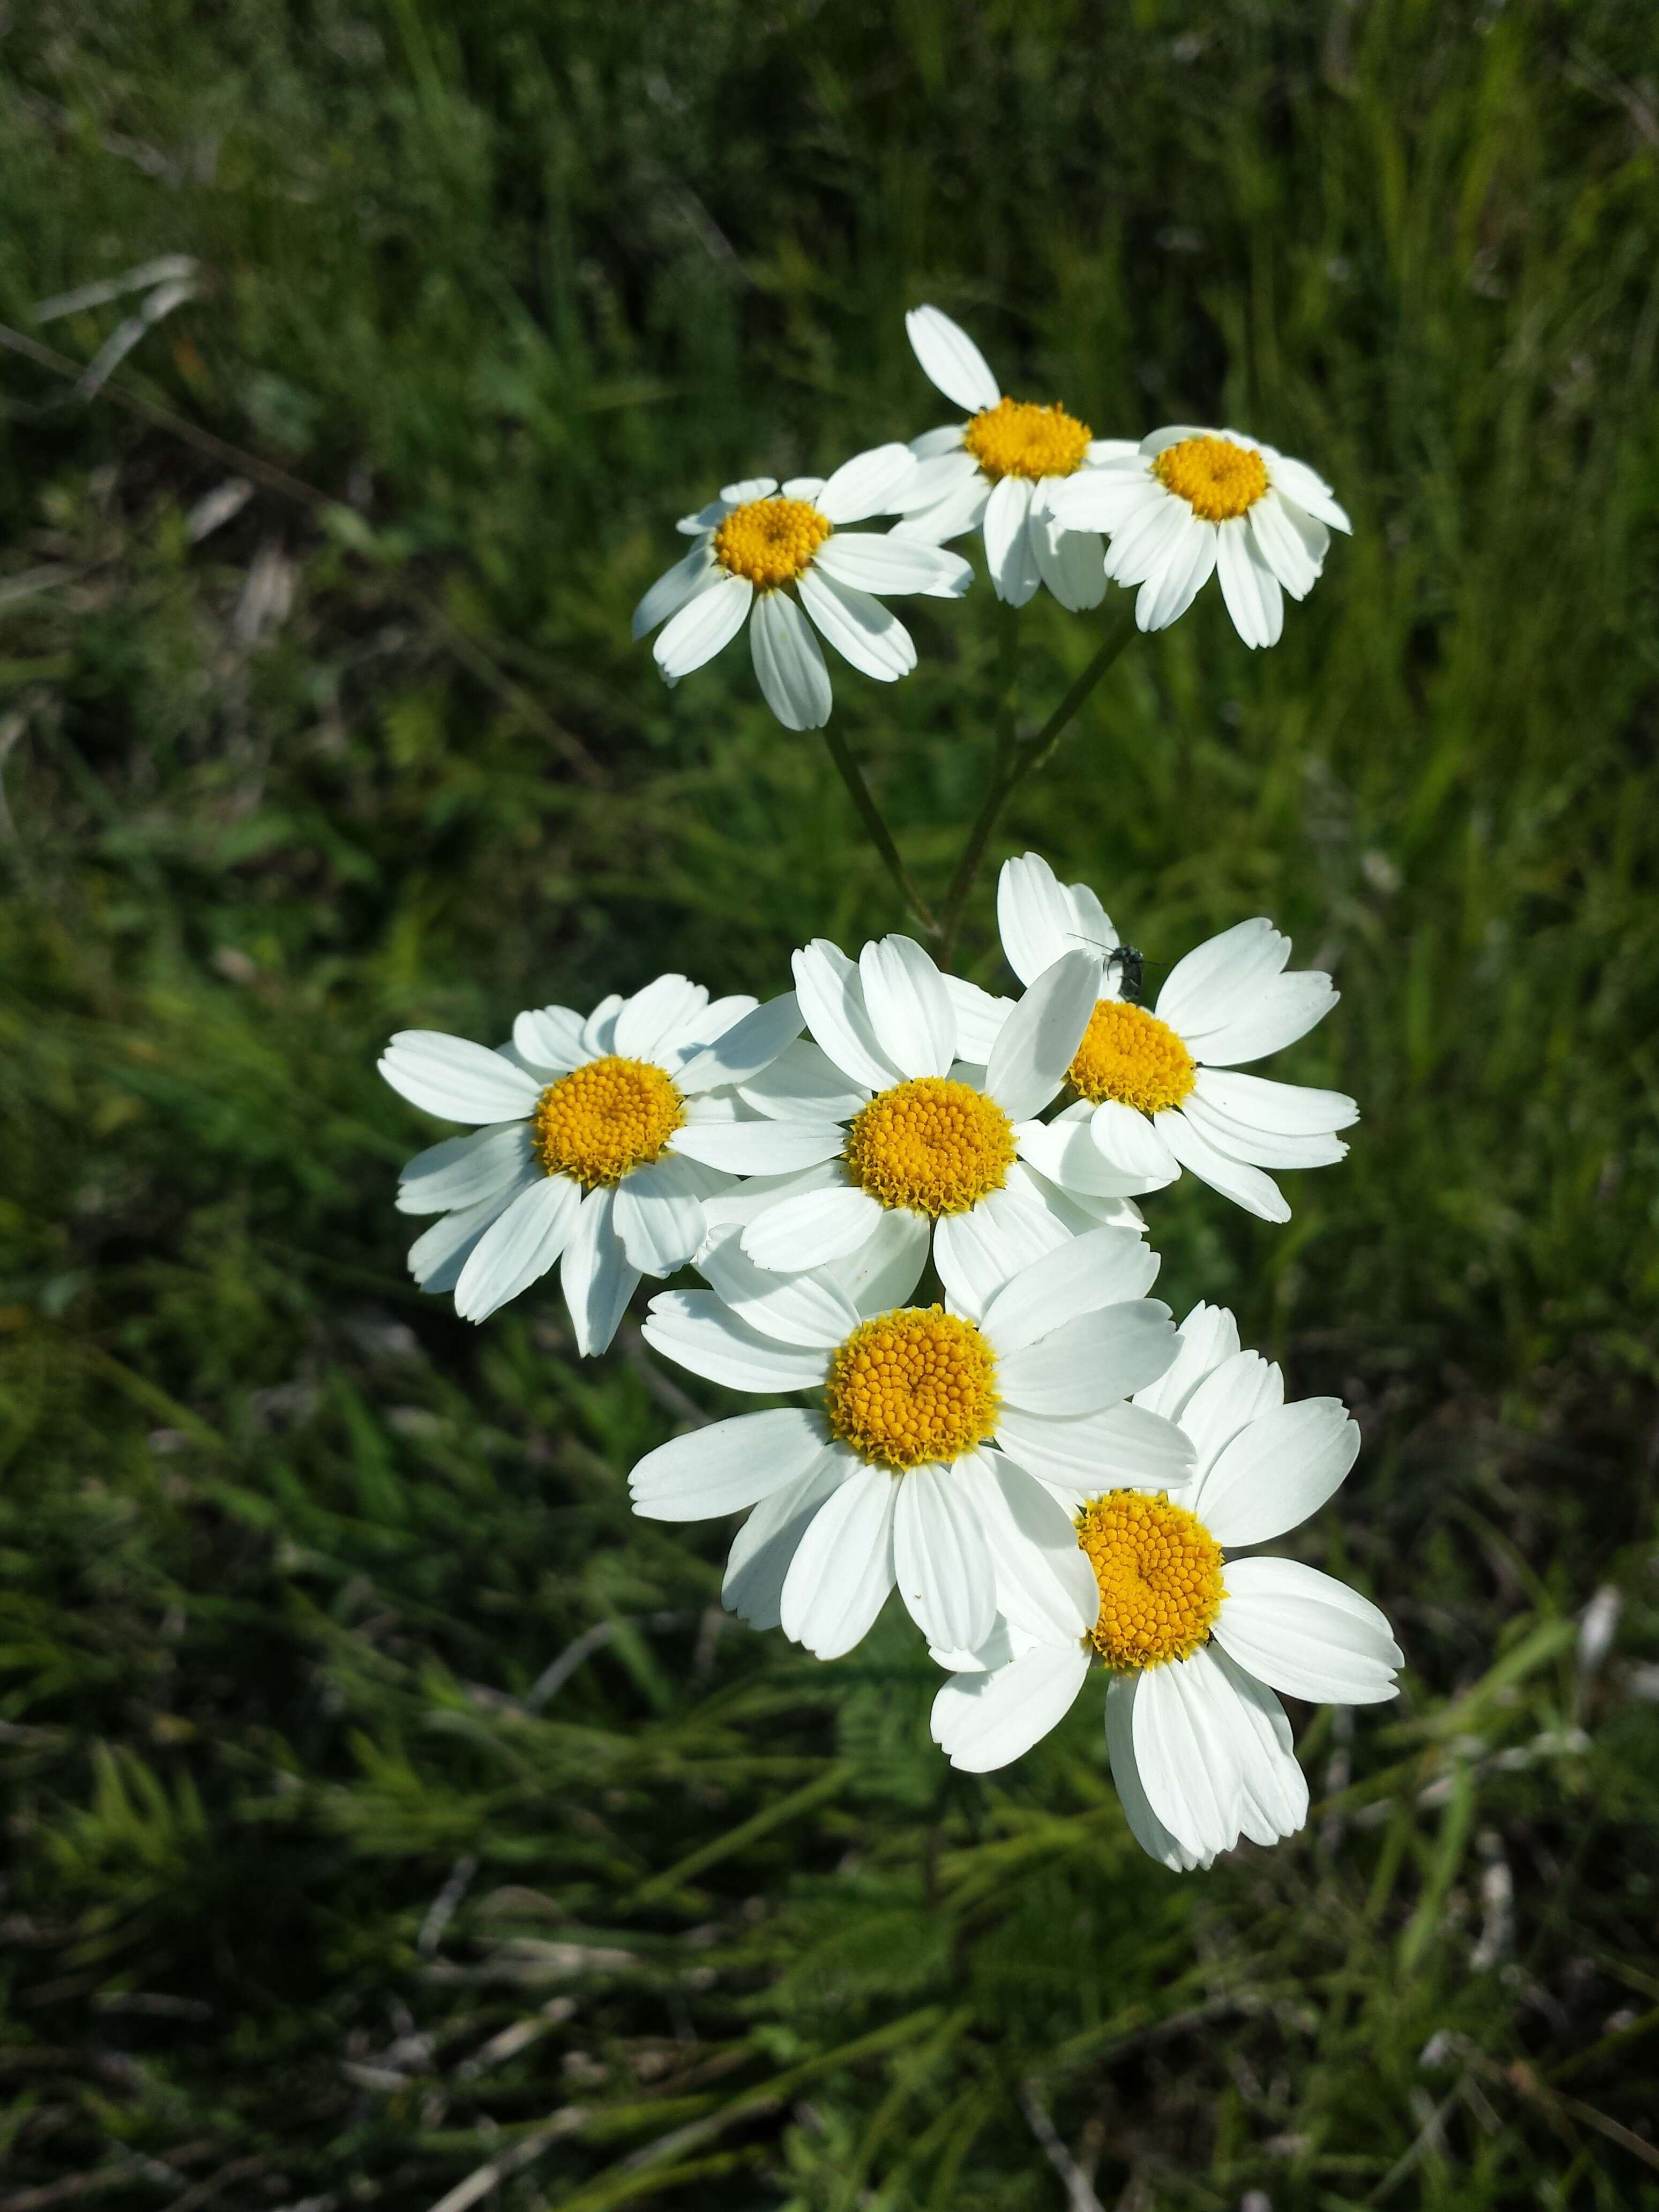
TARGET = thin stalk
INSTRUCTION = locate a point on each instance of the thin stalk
(858, 791)
(1014, 763)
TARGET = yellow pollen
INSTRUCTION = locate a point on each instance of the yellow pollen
(770, 541)
(601, 1122)
(1016, 438)
(932, 1145)
(1128, 1055)
(913, 1387)
(1158, 1570)
(1217, 478)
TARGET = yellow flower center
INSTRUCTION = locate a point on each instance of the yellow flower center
(600, 1122)
(1016, 438)
(936, 1147)
(770, 541)
(913, 1387)
(1217, 478)
(1128, 1055)
(1158, 1570)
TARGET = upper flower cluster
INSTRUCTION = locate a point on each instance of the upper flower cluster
(1055, 505)
(1050, 1472)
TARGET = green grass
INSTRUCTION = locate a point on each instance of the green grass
(285, 1546)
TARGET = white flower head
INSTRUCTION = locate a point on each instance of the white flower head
(1000, 471)
(938, 1440)
(1197, 1642)
(592, 1148)
(768, 551)
(1185, 502)
(1156, 1092)
(909, 1116)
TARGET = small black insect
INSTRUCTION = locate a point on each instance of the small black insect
(1130, 971)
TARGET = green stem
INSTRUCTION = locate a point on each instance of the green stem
(1014, 763)
(858, 791)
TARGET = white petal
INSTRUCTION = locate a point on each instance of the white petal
(518, 1247)
(680, 1045)
(1066, 1152)
(1281, 545)
(908, 1006)
(1148, 1831)
(1255, 599)
(759, 1147)
(741, 1052)
(980, 1016)
(435, 1260)
(694, 1328)
(659, 1215)
(675, 586)
(1045, 1586)
(451, 1075)
(1306, 1633)
(1189, 1776)
(863, 631)
(843, 1568)
(1132, 1144)
(1269, 1017)
(803, 1084)
(964, 510)
(812, 1228)
(727, 1466)
(1247, 1186)
(1091, 1361)
(937, 477)
(600, 1030)
(702, 627)
(1096, 500)
(1142, 542)
(1261, 1148)
(982, 1722)
(832, 999)
(1121, 1447)
(464, 1171)
(596, 1274)
(1235, 1393)
(931, 443)
(1273, 1791)
(806, 1309)
(748, 488)
(764, 1546)
(643, 1020)
(1278, 1471)
(884, 1270)
(941, 1562)
(1008, 549)
(870, 483)
(1185, 564)
(737, 1204)
(976, 1252)
(885, 563)
(1038, 1042)
(1072, 563)
(1206, 989)
(950, 360)
(1297, 481)
(1041, 920)
(551, 1037)
(1208, 1335)
(1289, 1110)
(788, 663)
(1107, 1267)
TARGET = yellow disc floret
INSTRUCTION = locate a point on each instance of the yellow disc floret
(1016, 438)
(1158, 1570)
(601, 1122)
(1130, 1055)
(913, 1387)
(1217, 478)
(932, 1145)
(770, 541)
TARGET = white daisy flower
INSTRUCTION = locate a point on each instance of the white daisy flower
(592, 1148)
(1154, 1090)
(773, 550)
(1001, 471)
(1197, 1642)
(894, 1474)
(912, 1117)
(1184, 502)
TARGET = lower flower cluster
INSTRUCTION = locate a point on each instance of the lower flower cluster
(912, 1206)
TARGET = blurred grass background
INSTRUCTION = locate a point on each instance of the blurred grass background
(392, 1818)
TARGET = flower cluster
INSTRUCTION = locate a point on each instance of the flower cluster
(1055, 505)
(1050, 1472)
